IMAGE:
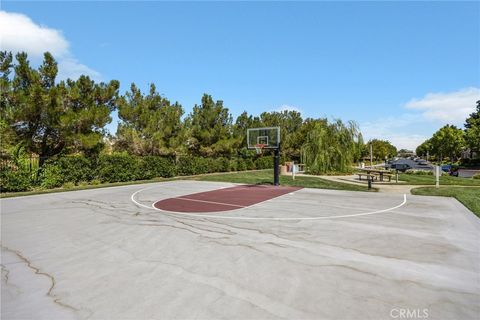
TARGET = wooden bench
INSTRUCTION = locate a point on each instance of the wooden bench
(383, 175)
(388, 175)
(361, 174)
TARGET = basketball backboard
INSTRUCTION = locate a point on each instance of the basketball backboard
(266, 138)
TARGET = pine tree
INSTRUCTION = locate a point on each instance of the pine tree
(150, 125)
(210, 129)
(49, 118)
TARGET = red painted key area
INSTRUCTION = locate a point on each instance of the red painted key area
(223, 199)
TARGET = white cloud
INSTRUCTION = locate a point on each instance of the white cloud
(452, 107)
(401, 141)
(409, 129)
(409, 141)
(397, 130)
(19, 33)
(71, 68)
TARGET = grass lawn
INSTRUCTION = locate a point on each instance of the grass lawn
(444, 180)
(266, 177)
(470, 197)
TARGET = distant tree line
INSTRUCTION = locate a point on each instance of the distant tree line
(48, 118)
(381, 149)
(450, 141)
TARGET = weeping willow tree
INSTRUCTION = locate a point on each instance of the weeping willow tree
(331, 147)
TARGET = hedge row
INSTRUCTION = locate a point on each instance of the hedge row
(120, 167)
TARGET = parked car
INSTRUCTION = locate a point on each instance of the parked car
(446, 167)
(450, 169)
(453, 171)
(402, 167)
(422, 163)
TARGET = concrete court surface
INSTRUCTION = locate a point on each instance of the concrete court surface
(96, 254)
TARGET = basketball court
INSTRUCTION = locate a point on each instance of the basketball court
(189, 249)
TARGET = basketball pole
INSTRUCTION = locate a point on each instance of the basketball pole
(276, 165)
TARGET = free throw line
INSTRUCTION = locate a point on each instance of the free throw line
(212, 202)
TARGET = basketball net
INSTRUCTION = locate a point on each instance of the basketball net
(259, 148)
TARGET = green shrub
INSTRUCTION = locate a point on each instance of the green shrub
(222, 164)
(75, 168)
(15, 180)
(68, 185)
(51, 176)
(420, 172)
(264, 162)
(117, 167)
(233, 165)
(477, 176)
(187, 166)
(211, 164)
(154, 166)
(204, 165)
(66, 169)
(249, 164)
(241, 164)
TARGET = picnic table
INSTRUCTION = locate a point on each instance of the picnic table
(372, 172)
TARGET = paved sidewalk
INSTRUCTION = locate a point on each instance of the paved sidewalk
(382, 187)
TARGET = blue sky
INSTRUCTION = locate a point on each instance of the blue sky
(400, 69)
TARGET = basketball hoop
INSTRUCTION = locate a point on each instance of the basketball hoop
(259, 148)
(266, 138)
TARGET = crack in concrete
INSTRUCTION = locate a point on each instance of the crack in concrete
(7, 272)
(39, 272)
(224, 230)
(149, 222)
(300, 238)
(369, 273)
(101, 206)
(253, 298)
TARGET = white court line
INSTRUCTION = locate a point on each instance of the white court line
(212, 202)
(262, 218)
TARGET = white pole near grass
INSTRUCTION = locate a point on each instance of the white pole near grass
(293, 170)
(437, 176)
(371, 155)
